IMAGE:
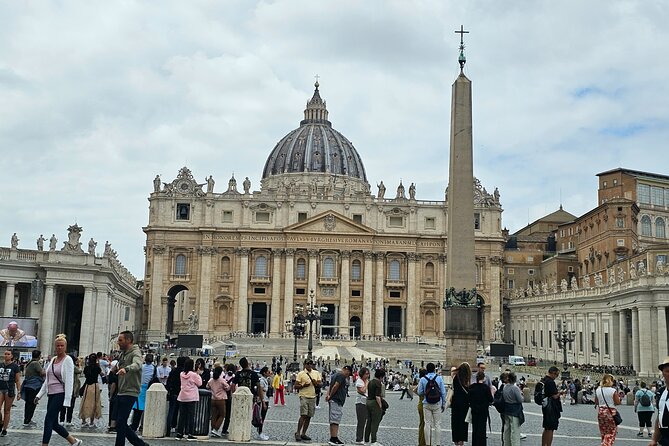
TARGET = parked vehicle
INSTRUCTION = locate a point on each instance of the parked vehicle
(516, 360)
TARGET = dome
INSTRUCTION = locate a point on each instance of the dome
(315, 147)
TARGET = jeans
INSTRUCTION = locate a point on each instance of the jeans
(29, 411)
(228, 412)
(511, 430)
(124, 405)
(51, 419)
(66, 412)
(186, 424)
(432, 416)
(361, 414)
(172, 413)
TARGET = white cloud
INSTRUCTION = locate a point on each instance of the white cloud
(98, 98)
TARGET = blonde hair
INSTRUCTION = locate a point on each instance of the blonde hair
(61, 337)
(607, 380)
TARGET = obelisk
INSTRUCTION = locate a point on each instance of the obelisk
(461, 303)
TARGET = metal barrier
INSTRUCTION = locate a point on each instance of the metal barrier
(203, 413)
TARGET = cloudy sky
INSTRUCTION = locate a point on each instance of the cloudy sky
(96, 98)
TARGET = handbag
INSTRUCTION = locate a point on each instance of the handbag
(616, 416)
(154, 378)
(468, 417)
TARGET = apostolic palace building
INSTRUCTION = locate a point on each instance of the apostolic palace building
(240, 260)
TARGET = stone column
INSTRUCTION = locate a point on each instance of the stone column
(385, 317)
(412, 302)
(156, 317)
(96, 323)
(155, 412)
(614, 327)
(288, 310)
(379, 313)
(10, 289)
(662, 349)
(636, 357)
(599, 337)
(345, 290)
(440, 295)
(622, 338)
(275, 321)
(86, 333)
(367, 295)
(240, 418)
(46, 336)
(242, 301)
(313, 278)
(645, 340)
(205, 297)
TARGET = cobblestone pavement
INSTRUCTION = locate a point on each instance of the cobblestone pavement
(398, 428)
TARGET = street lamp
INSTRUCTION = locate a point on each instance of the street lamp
(296, 326)
(311, 313)
(564, 338)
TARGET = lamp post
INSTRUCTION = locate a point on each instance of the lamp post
(296, 326)
(564, 338)
(312, 313)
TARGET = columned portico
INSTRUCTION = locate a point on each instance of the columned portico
(345, 294)
(662, 349)
(10, 290)
(411, 309)
(380, 288)
(623, 338)
(275, 310)
(242, 301)
(645, 342)
(288, 310)
(636, 357)
(367, 295)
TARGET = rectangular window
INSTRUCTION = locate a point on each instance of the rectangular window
(510, 271)
(530, 259)
(657, 196)
(620, 222)
(580, 341)
(541, 338)
(396, 222)
(530, 272)
(227, 216)
(357, 218)
(262, 217)
(430, 223)
(183, 211)
(510, 284)
(259, 290)
(606, 343)
(550, 339)
(301, 216)
(477, 221)
(604, 185)
(666, 197)
(620, 242)
(526, 337)
(300, 291)
(127, 314)
(592, 341)
(395, 294)
(615, 182)
(643, 193)
(356, 293)
(661, 258)
(509, 259)
(570, 269)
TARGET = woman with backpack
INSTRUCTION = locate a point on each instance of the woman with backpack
(606, 398)
(643, 406)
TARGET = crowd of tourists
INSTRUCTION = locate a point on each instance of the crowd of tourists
(470, 395)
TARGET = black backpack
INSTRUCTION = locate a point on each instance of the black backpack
(498, 399)
(645, 399)
(432, 391)
(539, 393)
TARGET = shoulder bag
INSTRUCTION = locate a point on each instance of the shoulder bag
(616, 416)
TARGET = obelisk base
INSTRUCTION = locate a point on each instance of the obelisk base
(461, 336)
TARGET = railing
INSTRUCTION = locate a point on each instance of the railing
(392, 283)
(27, 256)
(328, 280)
(179, 277)
(4, 253)
(260, 279)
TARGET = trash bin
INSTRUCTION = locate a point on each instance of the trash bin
(203, 413)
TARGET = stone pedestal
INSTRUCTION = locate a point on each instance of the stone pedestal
(240, 418)
(461, 335)
(155, 411)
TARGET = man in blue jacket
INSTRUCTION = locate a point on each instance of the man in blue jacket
(431, 388)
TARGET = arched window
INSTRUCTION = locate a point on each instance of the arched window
(328, 267)
(225, 266)
(180, 265)
(394, 270)
(261, 266)
(301, 270)
(645, 226)
(148, 270)
(429, 272)
(660, 229)
(356, 270)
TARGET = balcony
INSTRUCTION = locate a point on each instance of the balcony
(328, 281)
(397, 284)
(260, 280)
(179, 277)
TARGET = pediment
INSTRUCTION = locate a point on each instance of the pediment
(330, 222)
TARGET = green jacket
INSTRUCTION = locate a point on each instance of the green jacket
(130, 383)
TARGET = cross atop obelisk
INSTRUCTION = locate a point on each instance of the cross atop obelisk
(461, 59)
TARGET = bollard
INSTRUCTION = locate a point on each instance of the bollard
(240, 418)
(528, 395)
(155, 412)
(629, 399)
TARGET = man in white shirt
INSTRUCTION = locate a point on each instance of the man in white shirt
(163, 371)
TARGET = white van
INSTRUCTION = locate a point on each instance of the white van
(516, 360)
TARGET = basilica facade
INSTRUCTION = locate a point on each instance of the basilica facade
(241, 260)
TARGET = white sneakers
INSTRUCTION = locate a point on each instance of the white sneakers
(263, 437)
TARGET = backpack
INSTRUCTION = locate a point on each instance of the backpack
(498, 399)
(256, 420)
(645, 399)
(539, 393)
(432, 391)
